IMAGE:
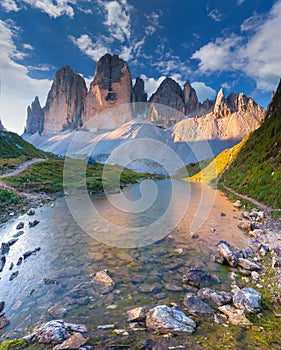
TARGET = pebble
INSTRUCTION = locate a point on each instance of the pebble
(106, 327)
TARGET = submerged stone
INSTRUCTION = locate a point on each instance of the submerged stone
(164, 319)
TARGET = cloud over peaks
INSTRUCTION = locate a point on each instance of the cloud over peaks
(257, 55)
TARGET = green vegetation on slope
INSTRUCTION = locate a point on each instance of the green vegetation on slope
(8, 198)
(192, 169)
(219, 164)
(48, 177)
(14, 146)
(256, 171)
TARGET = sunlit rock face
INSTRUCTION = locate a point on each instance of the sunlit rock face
(232, 118)
(65, 102)
(111, 87)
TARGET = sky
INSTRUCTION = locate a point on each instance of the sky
(229, 44)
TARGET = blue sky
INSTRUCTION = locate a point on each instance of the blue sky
(234, 44)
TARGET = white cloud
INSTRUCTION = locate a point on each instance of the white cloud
(117, 18)
(257, 55)
(240, 2)
(9, 5)
(252, 23)
(95, 50)
(151, 84)
(169, 64)
(216, 15)
(27, 46)
(53, 8)
(262, 53)
(126, 53)
(16, 85)
(203, 91)
(217, 55)
(40, 67)
(153, 23)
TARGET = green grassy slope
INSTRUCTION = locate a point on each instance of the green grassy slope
(13, 146)
(48, 177)
(219, 164)
(256, 171)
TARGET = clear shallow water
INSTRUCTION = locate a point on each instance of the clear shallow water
(70, 255)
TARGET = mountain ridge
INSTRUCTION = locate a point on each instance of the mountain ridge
(71, 106)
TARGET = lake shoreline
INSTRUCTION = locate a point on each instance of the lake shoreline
(269, 238)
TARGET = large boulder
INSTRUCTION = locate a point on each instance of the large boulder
(218, 298)
(235, 316)
(102, 282)
(248, 264)
(197, 307)
(247, 299)
(165, 319)
(198, 278)
(227, 253)
(54, 332)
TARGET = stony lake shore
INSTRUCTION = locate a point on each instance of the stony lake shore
(250, 303)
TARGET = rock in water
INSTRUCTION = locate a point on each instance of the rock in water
(2, 262)
(196, 306)
(198, 278)
(103, 283)
(20, 225)
(5, 248)
(2, 305)
(33, 223)
(164, 319)
(247, 299)
(74, 342)
(225, 250)
(217, 297)
(54, 332)
(57, 311)
(13, 275)
(4, 322)
(31, 211)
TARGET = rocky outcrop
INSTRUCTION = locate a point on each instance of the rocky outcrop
(65, 102)
(1, 126)
(232, 118)
(111, 87)
(167, 104)
(165, 319)
(190, 99)
(35, 117)
(138, 97)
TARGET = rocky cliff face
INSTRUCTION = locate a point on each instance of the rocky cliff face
(138, 97)
(232, 118)
(167, 104)
(35, 118)
(190, 99)
(112, 101)
(111, 87)
(65, 102)
(1, 126)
